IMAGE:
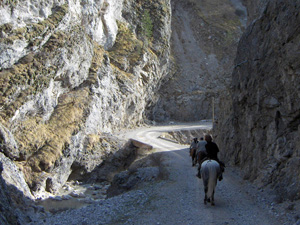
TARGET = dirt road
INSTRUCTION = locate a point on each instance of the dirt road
(178, 198)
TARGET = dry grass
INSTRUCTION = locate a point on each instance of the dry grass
(128, 50)
(42, 142)
(29, 73)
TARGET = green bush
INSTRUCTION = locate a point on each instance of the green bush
(147, 25)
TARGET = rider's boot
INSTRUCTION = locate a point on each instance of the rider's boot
(222, 165)
(199, 174)
(221, 177)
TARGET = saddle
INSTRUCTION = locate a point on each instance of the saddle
(222, 164)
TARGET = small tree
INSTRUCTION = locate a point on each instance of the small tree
(147, 25)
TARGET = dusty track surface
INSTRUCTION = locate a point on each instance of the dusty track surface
(178, 198)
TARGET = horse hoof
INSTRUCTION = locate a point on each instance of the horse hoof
(213, 204)
(204, 202)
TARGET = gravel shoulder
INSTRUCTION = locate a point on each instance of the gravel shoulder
(177, 198)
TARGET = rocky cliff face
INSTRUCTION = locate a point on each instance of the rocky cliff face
(254, 9)
(204, 39)
(70, 72)
(260, 131)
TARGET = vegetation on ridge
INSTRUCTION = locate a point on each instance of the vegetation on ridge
(127, 50)
(147, 25)
(30, 73)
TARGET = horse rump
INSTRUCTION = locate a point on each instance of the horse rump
(210, 171)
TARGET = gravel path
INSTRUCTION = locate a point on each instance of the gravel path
(177, 199)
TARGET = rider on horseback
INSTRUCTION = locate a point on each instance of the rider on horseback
(201, 148)
(194, 143)
(212, 153)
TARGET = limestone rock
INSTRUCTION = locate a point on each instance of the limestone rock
(14, 176)
(71, 73)
(126, 181)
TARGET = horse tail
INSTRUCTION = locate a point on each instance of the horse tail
(212, 180)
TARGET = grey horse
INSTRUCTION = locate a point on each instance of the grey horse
(210, 172)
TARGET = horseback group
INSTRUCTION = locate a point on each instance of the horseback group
(210, 168)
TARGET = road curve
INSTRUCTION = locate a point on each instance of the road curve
(149, 135)
(179, 200)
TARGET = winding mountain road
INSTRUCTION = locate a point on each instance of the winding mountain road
(177, 199)
(150, 135)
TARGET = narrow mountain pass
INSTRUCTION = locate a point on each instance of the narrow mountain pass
(179, 200)
(176, 198)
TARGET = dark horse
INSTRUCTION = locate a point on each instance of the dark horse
(210, 172)
(201, 156)
(193, 149)
(193, 155)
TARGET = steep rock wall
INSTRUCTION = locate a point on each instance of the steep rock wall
(259, 129)
(254, 9)
(204, 39)
(71, 72)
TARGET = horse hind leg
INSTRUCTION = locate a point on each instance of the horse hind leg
(193, 151)
(205, 197)
(213, 199)
(195, 161)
